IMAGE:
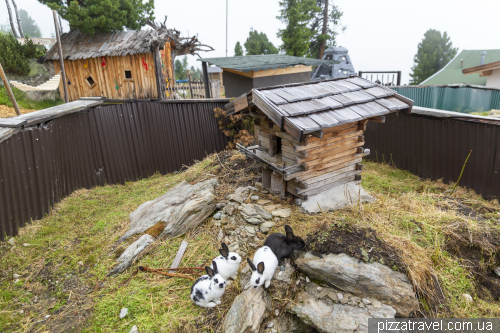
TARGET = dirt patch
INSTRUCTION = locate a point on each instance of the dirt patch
(355, 241)
(7, 111)
(478, 249)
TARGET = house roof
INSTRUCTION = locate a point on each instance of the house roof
(214, 69)
(78, 45)
(452, 72)
(303, 108)
(264, 62)
(482, 68)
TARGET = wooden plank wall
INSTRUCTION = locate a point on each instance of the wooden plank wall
(141, 86)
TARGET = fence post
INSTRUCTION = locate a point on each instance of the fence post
(61, 60)
(190, 88)
(9, 91)
(205, 79)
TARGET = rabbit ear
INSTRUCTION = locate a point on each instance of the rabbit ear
(250, 263)
(209, 271)
(224, 247)
(289, 232)
(260, 267)
(223, 253)
(214, 265)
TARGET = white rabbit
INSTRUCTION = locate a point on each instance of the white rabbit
(228, 263)
(208, 289)
(266, 265)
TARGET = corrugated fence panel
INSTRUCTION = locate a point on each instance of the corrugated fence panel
(458, 99)
(436, 148)
(112, 144)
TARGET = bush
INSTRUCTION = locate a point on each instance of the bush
(15, 56)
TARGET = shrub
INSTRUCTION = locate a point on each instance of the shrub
(15, 56)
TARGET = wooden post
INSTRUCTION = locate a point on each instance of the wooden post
(205, 79)
(11, 95)
(61, 60)
(159, 73)
(191, 88)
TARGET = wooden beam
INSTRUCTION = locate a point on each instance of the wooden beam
(482, 68)
(317, 134)
(205, 79)
(178, 256)
(271, 72)
(380, 119)
(486, 73)
(61, 59)
(9, 91)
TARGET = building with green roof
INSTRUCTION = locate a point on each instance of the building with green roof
(452, 72)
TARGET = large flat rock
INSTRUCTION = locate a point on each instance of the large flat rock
(183, 207)
(247, 312)
(364, 280)
(336, 198)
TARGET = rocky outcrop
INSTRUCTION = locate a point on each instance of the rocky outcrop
(183, 207)
(353, 275)
(247, 312)
(128, 256)
(330, 317)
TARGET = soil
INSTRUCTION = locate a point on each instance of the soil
(355, 241)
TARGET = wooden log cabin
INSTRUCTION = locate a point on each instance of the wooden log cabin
(116, 65)
(309, 136)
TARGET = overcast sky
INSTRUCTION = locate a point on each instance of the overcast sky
(380, 35)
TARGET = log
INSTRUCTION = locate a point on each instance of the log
(330, 186)
(9, 91)
(332, 166)
(330, 141)
(324, 160)
(328, 181)
(329, 151)
(178, 256)
(310, 181)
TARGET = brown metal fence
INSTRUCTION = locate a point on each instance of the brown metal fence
(112, 144)
(436, 148)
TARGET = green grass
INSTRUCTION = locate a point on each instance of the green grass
(24, 102)
(482, 113)
(85, 226)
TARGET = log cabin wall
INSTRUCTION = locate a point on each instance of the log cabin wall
(141, 85)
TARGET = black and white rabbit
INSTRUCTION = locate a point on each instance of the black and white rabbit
(266, 265)
(283, 245)
(208, 289)
(228, 263)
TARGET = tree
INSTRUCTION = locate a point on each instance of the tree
(311, 26)
(181, 67)
(434, 52)
(297, 15)
(11, 20)
(15, 56)
(258, 43)
(91, 16)
(31, 29)
(238, 50)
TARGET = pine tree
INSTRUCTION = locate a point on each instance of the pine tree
(326, 26)
(297, 15)
(238, 50)
(258, 43)
(30, 28)
(434, 52)
(91, 16)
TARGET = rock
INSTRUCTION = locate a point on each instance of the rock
(286, 275)
(220, 205)
(134, 249)
(26, 244)
(298, 201)
(468, 298)
(218, 216)
(80, 263)
(307, 279)
(220, 235)
(283, 213)
(254, 197)
(247, 312)
(333, 296)
(262, 212)
(248, 210)
(497, 271)
(123, 313)
(353, 275)
(250, 229)
(317, 291)
(11, 241)
(182, 207)
(251, 188)
(240, 195)
(264, 192)
(230, 209)
(134, 329)
(327, 316)
(263, 202)
(264, 227)
(258, 185)
(233, 247)
(16, 276)
(270, 208)
(225, 219)
(366, 301)
(335, 198)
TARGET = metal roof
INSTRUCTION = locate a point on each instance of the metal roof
(264, 62)
(452, 72)
(78, 45)
(308, 107)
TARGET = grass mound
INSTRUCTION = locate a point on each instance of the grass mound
(435, 239)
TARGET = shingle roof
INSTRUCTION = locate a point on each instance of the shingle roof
(78, 45)
(264, 62)
(307, 107)
(452, 72)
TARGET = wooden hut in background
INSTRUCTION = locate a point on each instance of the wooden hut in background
(116, 65)
(309, 136)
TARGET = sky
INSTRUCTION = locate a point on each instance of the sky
(380, 35)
